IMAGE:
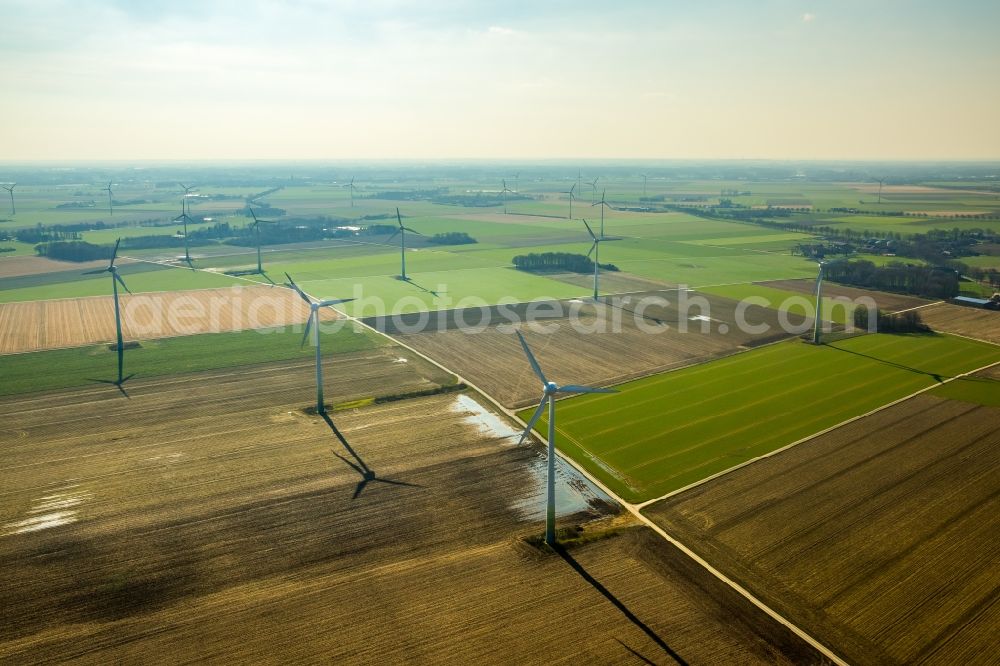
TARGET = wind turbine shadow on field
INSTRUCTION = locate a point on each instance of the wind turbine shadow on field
(596, 584)
(937, 377)
(358, 465)
(423, 288)
(119, 384)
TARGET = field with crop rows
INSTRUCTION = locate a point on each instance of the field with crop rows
(879, 537)
(667, 431)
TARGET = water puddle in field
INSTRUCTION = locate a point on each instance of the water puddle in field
(50, 511)
(486, 421)
(574, 492)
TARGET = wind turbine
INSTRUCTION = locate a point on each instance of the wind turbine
(595, 249)
(880, 181)
(10, 189)
(516, 177)
(570, 193)
(579, 176)
(184, 217)
(116, 279)
(402, 242)
(187, 188)
(819, 297)
(351, 187)
(504, 191)
(314, 307)
(549, 392)
(644, 179)
(111, 210)
(256, 227)
(593, 190)
(603, 204)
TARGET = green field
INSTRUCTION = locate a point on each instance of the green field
(666, 247)
(667, 431)
(62, 368)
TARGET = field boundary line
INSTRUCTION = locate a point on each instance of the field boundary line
(644, 504)
(631, 508)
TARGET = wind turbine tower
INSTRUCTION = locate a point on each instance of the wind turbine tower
(313, 321)
(819, 297)
(256, 228)
(549, 392)
(570, 193)
(603, 204)
(184, 218)
(504, 191)
(10, 190)
(116, 279)
(111, 210)
(402, 243)
(595, 249)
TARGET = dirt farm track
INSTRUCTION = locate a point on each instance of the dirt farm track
(35, 325)
(880, 537)
(209, 518)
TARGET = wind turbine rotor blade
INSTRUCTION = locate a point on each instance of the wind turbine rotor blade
(121, 281)
(97, 272)
(394, 234)
(114, 253)
(531, 358)
(533, 420)
(305, 336)
(301, 293)
(334, 301)
(590, 231)
(399, 218)
(412, 231)
(592, 248)
(575, 388)
(254, 215)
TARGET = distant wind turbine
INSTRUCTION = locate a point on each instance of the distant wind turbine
(116, 279)
(549, 392)
(313, 320)
(111, 210)
(880, 181)
(402, 242)
(570, 193)
(516, 177)
(10, 190)
(187, 188)
(256, 228)
(603, 204)
(579, 176)
(593, 190)
(504, 191)
(184, 218)
(595, 249)
(644, 179)
(350, 186)
(819, 299)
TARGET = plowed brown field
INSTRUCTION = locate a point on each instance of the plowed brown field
(35, 325)
(208, 519)
(17, 266)
(885, 300)
(879, 538)
(972, 322)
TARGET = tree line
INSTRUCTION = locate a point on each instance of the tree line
(558, 261)
(933, 282)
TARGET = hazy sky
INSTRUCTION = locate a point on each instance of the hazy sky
(344, 79)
